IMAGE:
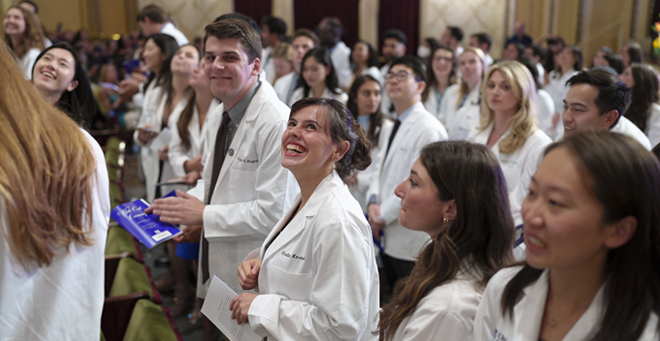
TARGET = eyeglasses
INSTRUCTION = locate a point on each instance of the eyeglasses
(400, 76)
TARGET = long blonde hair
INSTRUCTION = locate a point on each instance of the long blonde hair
(34, 35)
(523, 123)
(46, 175)
(464, 86)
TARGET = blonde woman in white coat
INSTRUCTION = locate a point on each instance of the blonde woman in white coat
(364, 101)
(456, 194)
(316, 271)
(319, 78)
(591, 237)
(441, 76)
(508, 125)
(159, 50)
(460, 108)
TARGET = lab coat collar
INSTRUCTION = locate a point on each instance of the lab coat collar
(529, 312)
(325, 188)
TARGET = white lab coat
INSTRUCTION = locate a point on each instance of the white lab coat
(318, 278)
(152, 116)
(446, 313)
(64, 300)
(546, 109)
(417, 130)
(653, 125)
(340, 57)
(298, 94)
(517, 167)
(174, 32)
(282, 85)
(491, 325)
(178, 154)
(449, 106)
(625, 127)
(370, 175)
(253, 190)
(466, 118)
(268, 64)
(26, 63)
(431, 104)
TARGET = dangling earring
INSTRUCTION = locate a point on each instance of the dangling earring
(334, 166)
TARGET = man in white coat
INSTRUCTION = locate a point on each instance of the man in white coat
(246, 190)
(153, 19)
(303, 41)
(413, 129)
(330, 33)
(394, 46)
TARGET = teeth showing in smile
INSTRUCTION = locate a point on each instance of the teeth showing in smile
(536, 242)
(48, 74)
(294, 148)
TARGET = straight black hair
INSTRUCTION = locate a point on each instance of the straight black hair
(372, 60)
(612, 93)
(321, 55)
(79, 103)
(168, 46)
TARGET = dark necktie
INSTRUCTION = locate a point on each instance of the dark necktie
(218, 159)
(397, 124)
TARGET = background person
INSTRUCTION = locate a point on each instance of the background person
(644, 109)
(24, 36)
(319, 78)
(441, 75)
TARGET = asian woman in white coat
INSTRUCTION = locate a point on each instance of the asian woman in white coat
(316, 271)
(592, 248)
(508, 125)
(460, 107)
(159, 49)
(319, 78)
(364, 61)
(364, 100)
(644, 109)
(569, 62)
(441, 75)
(456, 193)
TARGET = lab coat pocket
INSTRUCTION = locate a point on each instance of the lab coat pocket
(242, 185)
(295, 286)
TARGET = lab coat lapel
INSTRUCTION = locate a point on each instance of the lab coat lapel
(584, 327)
(250, 115)
(404, 132)
(299, 222)
(529, 312)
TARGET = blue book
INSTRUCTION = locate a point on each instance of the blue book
(147, 228)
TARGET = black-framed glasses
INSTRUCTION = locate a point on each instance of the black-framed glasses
(400, 76)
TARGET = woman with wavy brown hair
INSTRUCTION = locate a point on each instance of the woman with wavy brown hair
(456, 193)
(24, 36)
(644, 109)
(54, 211)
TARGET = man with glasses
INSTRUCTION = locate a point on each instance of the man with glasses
(414, 127)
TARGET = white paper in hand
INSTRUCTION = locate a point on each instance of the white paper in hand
(162, 140)
(216, 308)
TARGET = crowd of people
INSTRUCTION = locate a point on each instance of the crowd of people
(497, 198)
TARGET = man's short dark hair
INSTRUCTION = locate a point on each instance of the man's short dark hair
(613, 94)
(237, 29)
(416, 64)
(240, 16)
(396, 34)
(154, 13)
(31, 3)
(305, 32)
(483, 38)
(275, 25)
(456, 32)
(538, 51)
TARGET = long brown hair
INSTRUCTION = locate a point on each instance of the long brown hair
(375, 119)
(187, 112)
(34, 36)
(46, 173)
(431, 80)
(643, 94)
(625, 178)
(479, 240)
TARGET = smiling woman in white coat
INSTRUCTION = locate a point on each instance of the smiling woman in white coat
(455, 193)
(317, 275)
(319, 78)
(592, 222)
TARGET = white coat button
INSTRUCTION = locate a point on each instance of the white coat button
(231, 152)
